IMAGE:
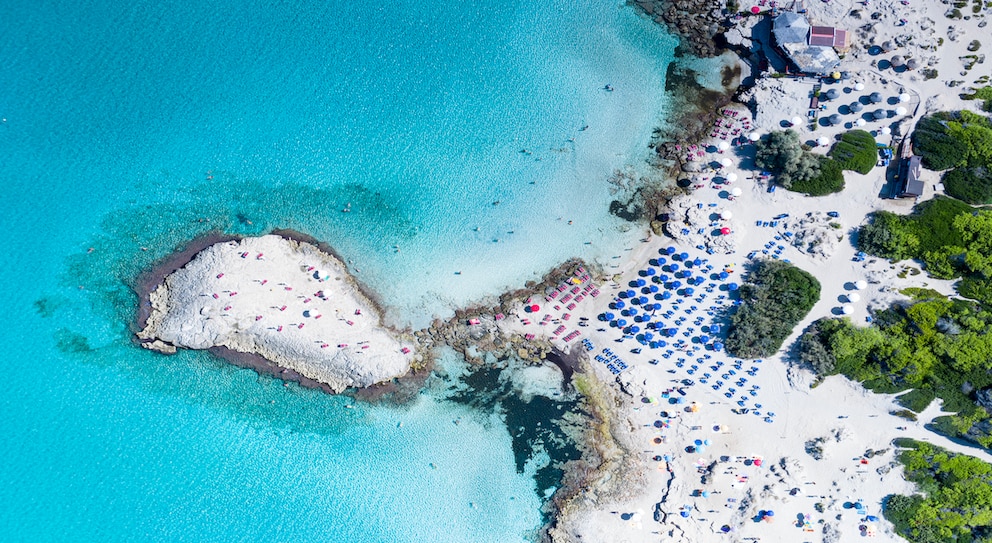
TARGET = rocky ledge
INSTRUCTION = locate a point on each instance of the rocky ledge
(282, 299)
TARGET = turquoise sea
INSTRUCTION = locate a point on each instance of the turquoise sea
(129, 128)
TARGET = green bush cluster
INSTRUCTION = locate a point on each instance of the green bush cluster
(933, 348)
(955, 499)
(776, 296)
(856, 151)
(928, 234)
(984, 94)
(795, 168)
(961, 140)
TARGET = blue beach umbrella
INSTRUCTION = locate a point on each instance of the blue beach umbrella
(724, 275)
(673, 267)
(620, 305)
(643, 299)
(641, 282)
(648, 335)
(666, 295)
(653, 288)
(718, 346)
(630, 293)
(704, 339)
(664, 277)
(697, 262)
(684, 256)
(651, 271)
(632, 311)
(621, 323)
(672, 331)
(635, 329)
(689, 291)
(732, 286)
(669, 250)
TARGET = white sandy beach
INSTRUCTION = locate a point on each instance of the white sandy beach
(677, 398)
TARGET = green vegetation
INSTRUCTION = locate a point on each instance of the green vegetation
(856, 151)
(774, 299)
(961, 140)
(934, 348)
(984, 94)
(928, 231)
(796, 168)
(955, 503)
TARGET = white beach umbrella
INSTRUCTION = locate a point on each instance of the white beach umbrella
(861, 284)
(823, 141)
(723, 146)
(900, 110)
(853, 297)
(904, 97)
(860, 122)
(859, 87)
(726, 215)
(731, 177)
(754, 136)
(847, 309)
(726, 162)
(886, 131)
(796, 121)
(736, 191)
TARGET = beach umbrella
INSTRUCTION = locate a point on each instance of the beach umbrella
(663, 277)
(670, 250)
(856, 107)
(630, 293)
(901, 111)
(875, 97)
(731, 177)
(643, 299)
(723, 146)
(834, 119)
(689, 291)
(673, 267)
(879, 114)
(897, 61)
(823, 141)
(718, 346)
(641, 282)
(860, 122)
(676, 284)
(796, 121)
(704, 339)
(733, 286)
(683, 256)
(912, 64)
(653, 288)
(724, 275)
(714, 328)
(888, 46)
(697, 261)
(650, 271)
(754, 136)
(724, 231)
(832, 94)
(904, 97)
(621, 323)
(853, 297)
(726, 162)
(726, 214)
(847, 309)
(861, 284)
(666, 295)
(859, 86)
(755, 10)
(672, 331)
(635, 329)
(886, 131)
(736, 191)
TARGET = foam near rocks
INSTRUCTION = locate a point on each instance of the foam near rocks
(282, 299)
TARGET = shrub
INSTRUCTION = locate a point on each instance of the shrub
(938, 149)
(856, 151)
(776, 296)
(796, 168)
(829, 180)
(972, 185)
(984, 94)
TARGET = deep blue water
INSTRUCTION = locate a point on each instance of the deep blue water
(141, 124)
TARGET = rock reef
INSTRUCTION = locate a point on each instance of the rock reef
(282, 299)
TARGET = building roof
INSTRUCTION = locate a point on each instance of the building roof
(790, 27)
(914, 187)
(822, 36)
(812, 59)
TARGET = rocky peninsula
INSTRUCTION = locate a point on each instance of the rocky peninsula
(284, 300)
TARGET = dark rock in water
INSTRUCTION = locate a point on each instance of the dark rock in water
(695, 23)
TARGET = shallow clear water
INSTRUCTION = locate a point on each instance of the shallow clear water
(128, 125)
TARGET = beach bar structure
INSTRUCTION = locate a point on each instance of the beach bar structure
(907, 182)
(810, 48)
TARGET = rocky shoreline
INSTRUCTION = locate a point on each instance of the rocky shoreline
(697, 24)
